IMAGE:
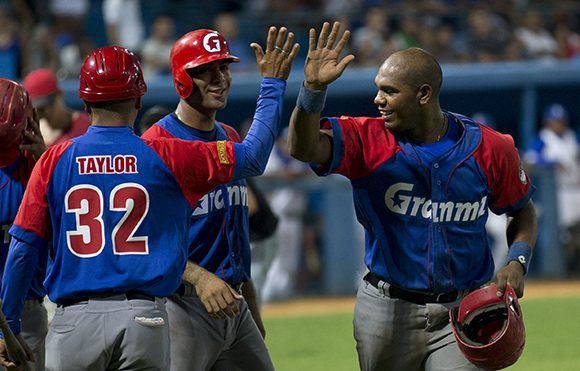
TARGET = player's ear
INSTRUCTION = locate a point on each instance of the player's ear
(88, 109)
(424, 93)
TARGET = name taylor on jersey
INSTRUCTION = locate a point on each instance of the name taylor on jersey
(400, 200)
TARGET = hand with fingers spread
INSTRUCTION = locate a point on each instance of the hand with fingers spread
(323, 63)
(219, 299)
(279, 55)
(33, 141)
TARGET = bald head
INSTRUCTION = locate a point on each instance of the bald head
(415, 67)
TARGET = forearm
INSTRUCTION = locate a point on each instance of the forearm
(256, 147)
(304, 137)
(305, 140)
(18, 273)
(523, 226)
(192, 273)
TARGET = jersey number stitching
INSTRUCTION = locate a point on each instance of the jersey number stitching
(88, 239)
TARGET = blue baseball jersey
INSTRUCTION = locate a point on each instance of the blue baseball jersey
(219, 231)
(13, 179)
(117, 209)
(424, 211)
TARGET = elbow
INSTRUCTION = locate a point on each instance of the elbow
(300, 154)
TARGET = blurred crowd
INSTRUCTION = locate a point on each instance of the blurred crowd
(59, 33)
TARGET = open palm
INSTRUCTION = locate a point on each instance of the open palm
(322, 62)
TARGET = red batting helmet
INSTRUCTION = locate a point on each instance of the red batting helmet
(489, 329)
(194, 49)
(111, 73)
(15, 108)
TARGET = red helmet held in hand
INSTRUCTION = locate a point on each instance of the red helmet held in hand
(111, 73)
(489, 329)
(15, 109)
(195, 49)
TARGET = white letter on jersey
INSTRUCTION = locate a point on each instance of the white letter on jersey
(395, 202)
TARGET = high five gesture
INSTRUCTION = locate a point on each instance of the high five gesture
(279, 55)
(323, 63)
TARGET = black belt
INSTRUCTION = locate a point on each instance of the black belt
(416, 297)
(130, 295)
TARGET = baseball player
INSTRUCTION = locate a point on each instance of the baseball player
(423, 180)
(22, 144)
(211, 325)
(116, 209)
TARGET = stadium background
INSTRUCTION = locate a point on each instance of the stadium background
(498, 75)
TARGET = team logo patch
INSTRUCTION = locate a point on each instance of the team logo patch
(222, 152)
(211, 42)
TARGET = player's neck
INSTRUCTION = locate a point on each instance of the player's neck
(432, 128)
(194, 118)
(110, 118)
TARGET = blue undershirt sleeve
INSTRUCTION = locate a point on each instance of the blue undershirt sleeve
(253, 153)
(18, 274)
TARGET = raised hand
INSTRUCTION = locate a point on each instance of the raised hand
(322, 62)
(279, 55)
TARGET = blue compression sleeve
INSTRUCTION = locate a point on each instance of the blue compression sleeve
(252, 154)
(18, 273)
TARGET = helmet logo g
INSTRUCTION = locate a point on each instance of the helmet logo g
(211, 42)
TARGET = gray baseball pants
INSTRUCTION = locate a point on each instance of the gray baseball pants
(394, 334)
(34, 329)
(200, 343)
(113, 333)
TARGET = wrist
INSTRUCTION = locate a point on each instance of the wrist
(315, 87)
(520, 252)
(311, 101)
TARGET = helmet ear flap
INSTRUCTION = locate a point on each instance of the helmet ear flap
(183, 84)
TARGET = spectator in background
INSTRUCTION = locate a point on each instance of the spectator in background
(227, 25)
(289, 203)
(409, 33)
(58, 123)
(443, 44)
(488, 38)
(538, 43)
(10, 46)
(157, 47)
(568, 40)
(372, 42)
(557, 144)
(124, 23)
(68, 38)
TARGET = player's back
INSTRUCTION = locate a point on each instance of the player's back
(119, 218)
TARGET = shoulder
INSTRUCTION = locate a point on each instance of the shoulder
(231, 132)
(156, 131)
(494, 140)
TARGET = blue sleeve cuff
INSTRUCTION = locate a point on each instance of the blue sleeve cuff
(337, 149)
(518, 205)
(30, 238)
